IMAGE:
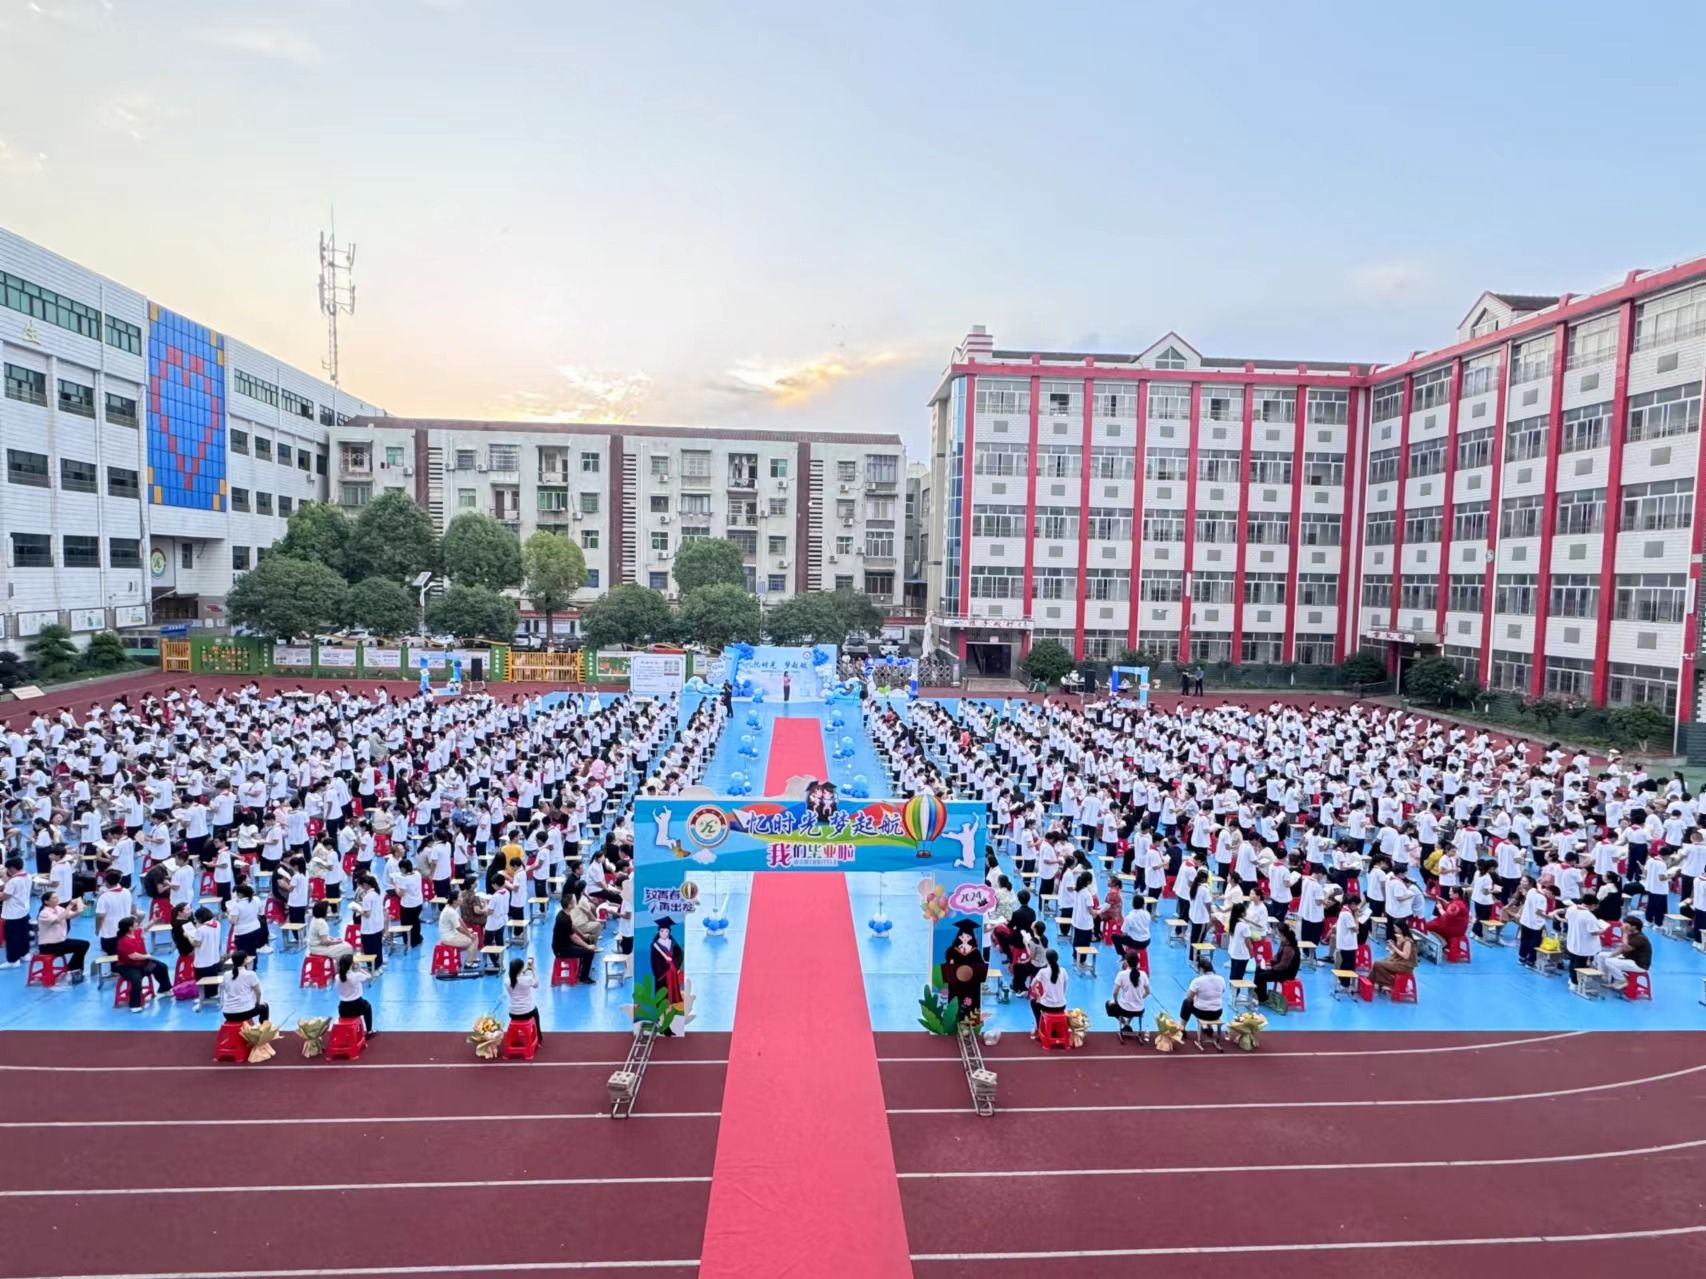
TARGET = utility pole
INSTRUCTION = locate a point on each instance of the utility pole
(337, 291)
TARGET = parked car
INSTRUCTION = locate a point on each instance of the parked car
(528, 643)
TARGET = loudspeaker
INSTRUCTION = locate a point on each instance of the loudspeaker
(479, 669)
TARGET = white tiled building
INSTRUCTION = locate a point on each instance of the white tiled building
(93, 536)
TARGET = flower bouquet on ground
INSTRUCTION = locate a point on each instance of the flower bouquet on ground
(1169, 1033)
(487, 1036)
(1246, 1030)
(1077, 1025)
(259, 1037)
(312, 1032)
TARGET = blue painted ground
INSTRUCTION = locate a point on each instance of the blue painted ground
(1490, 994)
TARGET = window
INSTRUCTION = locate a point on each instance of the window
(1062, 399)
(1264, 588)
(82, 551)
(122, 482)
(694, 533)
(1060, 461)
(1108, 585)
(1169, 401)
(1213, 588)
(1569, 676)
(263, 449)
(1630, 684)
(1588, 427)
(1323, 468)
(1424, 524)
(1525, 439)
(348, 494)
(1469, 522)
(694, 504)
(505, 458)
(1211, 646)
(1592, 342)
(879, 508)
(882, 468)
(879, 585)
(1466, 660)
(879, 543)
(1263, 648)
(778, 506)
(1381, 528)
(1166, 464)
(1511, 672)
(1573, 595)
(776, 583)
(186, 555)
(32, 550)
(1316, 529)
(239, 441)
(1171, 358)
(658, 581)
(78, 477)
(1660, 504)
(296, 405)
(1275, 406)
(1388, 401)
(1116, 400)
(1520, 516)
(1003, 398)
(552, 500)
(1478, 377)
(1110, 524)
(1163, 526)
(1514, 593)
(589, 539)
(1054, 523)
(1317, 590)
(123, 335)
(592, 576)
(1161, 586)
(1418, 591)
(239, 558)
(466, 459)
(76, 398)
(55, 308)
(660, 466)
(1314, 650)
(589, 503)
(284, 454)
(1218, 466)
(240, 499)
(393, 455)
(1671, 318)
(467, 499)
(28, 468)
(302, 460)
(1430, 390)
(1001, 521)
(1329, 408)
(1110, 462)
(325, 415)
(1475, 448)
(1223, 403)
(1466, 593)
(263, 503)
(1657, 414)
(1270, 468)
(743, 470)
(844, 545)
(1383, 466)
(1650, 597)
(1581, 511)
(778, 468)
(997, 582)
(253, 387)
(124, 552)
(660, 541)
(1268, 530)
(1217, 528)
(121, 410)
(591, 463)
(657, 504)
(1532, 360)
(1052, 583)
(286, 505)
(26, 385)
(1427, 457)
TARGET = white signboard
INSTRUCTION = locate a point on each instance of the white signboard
(292, 655)
(331, 655)
(657, 674)
(377, 659)
(88, 619)
(31, 623)
(131, 614)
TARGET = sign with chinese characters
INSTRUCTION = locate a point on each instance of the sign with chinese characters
(657, 674)
(333, 655)
(292, 655)
(88, 619)
(376, 658)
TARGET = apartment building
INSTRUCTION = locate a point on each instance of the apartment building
(148, 457)
(1523, 501)
(809, 512)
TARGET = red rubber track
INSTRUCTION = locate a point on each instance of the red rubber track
(1627, 1154)
(348, 1197)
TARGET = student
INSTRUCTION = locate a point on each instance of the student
(371, 908)
(321, 940)
(1531, 921)
(209, 960)
(575, 931)
(1134, 929)
(1048, 988)
(1205, 997)
(15, 912)
(247, 926)
(113, 903)
(1084, 910)
(240, 998)
(1345, 939)
(136, 964)
(523, 988)
(53, 927)
(1239, 934)
(1131, 990)
(351, 999)
(411, 898)
(1581, 937)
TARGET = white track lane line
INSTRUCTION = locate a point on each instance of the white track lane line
(985, 1174)
(284, 1121)
(349, 1186)
(358, 1272)
(1333, 1103)
(1368, 1245)
(1020, 1058)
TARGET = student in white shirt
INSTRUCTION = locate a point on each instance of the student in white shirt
(113, 904)
(411, 896)
(1582, 930)
(1531, 922)
(15, 912)
(1048, 988)
(523, 988)
(1205, 998)
(371, 908)
(351, 1001)
(1239, 934)
(1131, 989)
(240, 997)
(1346, 935)
(209, 958)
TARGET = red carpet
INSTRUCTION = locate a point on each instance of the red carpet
(796, 750)
(804, 1181)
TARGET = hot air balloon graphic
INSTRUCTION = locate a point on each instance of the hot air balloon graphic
(923, 818)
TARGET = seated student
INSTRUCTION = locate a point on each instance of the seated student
(1047, 988)
(135, 963)
(321, 939)
(1134, 929)
(240, 998)
(523, 989)
(1400, 955)
(452, 931)
(1205, 998)
(352, 1001)
(53, 927)
(1452, 921)
(1633, 956)
(1131, 989)
(576, 930)
(1286, 960)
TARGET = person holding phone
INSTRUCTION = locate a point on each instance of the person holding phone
(523, 989)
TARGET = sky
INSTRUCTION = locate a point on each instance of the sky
(787, 215)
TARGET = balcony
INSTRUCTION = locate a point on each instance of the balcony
(355, 464)
(695, 480)
(553, 475)
(742, 481)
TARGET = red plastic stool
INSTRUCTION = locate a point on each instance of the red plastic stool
(316, 890)
(160, 911)
(316, 971)
(448, 960)
(209, 886)
(121, 992)
(1404, 988)
(1637, 986)
(1143, 960)
(347, 1039)
(1293, 992)
(1054, 1031)
(521, 1041)
(275, 911)
(565, 972)
(1364, 959)
(352, 936)
(1261, 951)
(1612, 936)
(230, 1044)
(185, 971)
(44, 970)
(1365, 989)
(1457, 950)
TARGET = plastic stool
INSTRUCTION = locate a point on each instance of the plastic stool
(1293, 992)
(1054, 1031)
(44, 970)
(347, 1039)
(1637, 986)
(352, 936)
(185, 971)
(1457, 950)
(230, 1044)
(209, 886)
(565, 972)
(1365, 958)
(447, 960)
(521, 1041)
(1404, 988)
(160, 911)
(1143, 959)
(121, 992)
(1365, 989)
(1261, 952)
(316, 971)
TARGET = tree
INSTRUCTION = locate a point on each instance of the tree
(383, 606)
(1048, 661)
(1545, 709)
(553, 569)
(53, 653)
(708, 561)
(12, 672)
(1433, 680)
(479, 551)
(282, 597)
(1363, 668)
(1640, 725)
(626, 614)
(393, 538)
(719, 615)
(105, 652)
(472, 612)
(822, 617)
(317, 531)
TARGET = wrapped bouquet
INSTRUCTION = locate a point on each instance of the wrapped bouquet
(487, 1036)
(312, 1031)
(1246, 1030)
(259, 1036)
(1078, 1025)
(1169, 1033)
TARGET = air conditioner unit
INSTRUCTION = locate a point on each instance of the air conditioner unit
(480, 466)
(450, 466)
(846, 523)
(858, 555)
(781, 563)
(663, 519)
(834, 559)
(408, 470)
(575, 516)
(870, 488)
(782, 485)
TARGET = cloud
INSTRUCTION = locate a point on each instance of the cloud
(132, 114)
(786, 384)
(17, 161)
(273, 43)
(591, 395)
(1387, 278)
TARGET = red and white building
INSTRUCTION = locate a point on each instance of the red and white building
(1523, 501)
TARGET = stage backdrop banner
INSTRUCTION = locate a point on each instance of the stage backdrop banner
(938, 848)
(657, 674)
(761, 666)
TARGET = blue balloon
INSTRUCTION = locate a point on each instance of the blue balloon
(716, 923)
(752, 719)
(859, 788)
(880, 925)
(758, 695)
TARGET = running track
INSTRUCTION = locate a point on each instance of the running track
(1323, 1155)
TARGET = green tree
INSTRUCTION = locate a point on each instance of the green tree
(1641, 725)
(1048, 661)
(626, 614)
(472, 612)
(53, 653)
(1545, 709)
(708, 561)
(282, 597)
(719, 615)
(822, 617)
(1433, 680)
(393, 538)
(1363, 668)
(383, 606)
(317, 531)
(11, 669)
(479, 551)
(553, 569)
(105, 652)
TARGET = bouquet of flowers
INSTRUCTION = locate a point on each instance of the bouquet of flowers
(259, 1037)
(312, 1031)
(1246, 1030)
(1169, 1033)
(1078, 1025)
(487, 1036)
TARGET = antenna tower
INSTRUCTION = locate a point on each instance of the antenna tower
(337, 291)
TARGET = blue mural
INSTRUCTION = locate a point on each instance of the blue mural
(186, 412)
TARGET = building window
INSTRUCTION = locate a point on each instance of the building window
(263, 503)
(1171, 358)
(1426, 458)
(658, 581)
(1275, 406)
(1570, 677)
(77, 399)
(351, 494)
(1588, 427)
(1478, 378)
(1315, 529)
(239, 558)
(393, 455)
(1532, 360)
(589, 538)
(660, 541)
(124, 552)
(25, 385)
(1262, 649)
(325, 415)
(1381, 529)
(1163, 526)
(1061, 399)
(743, 470)
(1313, 650)
(1520, 516)
(696, 464)
(239, 441)
(778, 468)
(1657, 414)
(1377, 593)
(32, 550)
(843, 582)
(1465, 593)
(503, 458)
(1219, 466)
(1001, 398)
(776, 583)
(121, 410)
(1581, 511)
(55, 308)
(660, 466)
(1213, 588)
(1323, 468)
(1514, 594)
(1651, 597)
(78, 477)
(551, 500)
(240, 499)
(466, 459)
(590, 463)
(879, 543)
(1329, 408)
(1221, 403)
(882, 468)
(263, 448)
(1167, 401)
(1388, 401)
(1117, 400)
(1511, 672)
(1418, 591)
(302, 460)
(253, 387)
(122, 482)
(1270, 468)
(778, 506)
(1630, 684)
(1264, 588)
(28, 469)
(1161, 586)
(1317, 590)
(1525, 439)
(1383, 466)
(1166, 464)
(1672, 318)
(1475, 448)
(1660, 504)
(186, 555)
(295, 405)
(1469, 522)
(1592, 342)
(694, 504)
(589, 503)
(1268, 530)
(1573, 595)
(284, 457)
(123, 335)
(1430, 390)
(658, 504)
(82, 551)
(1424, 524)
(997, 582)
(286, 505)
(746, 539)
